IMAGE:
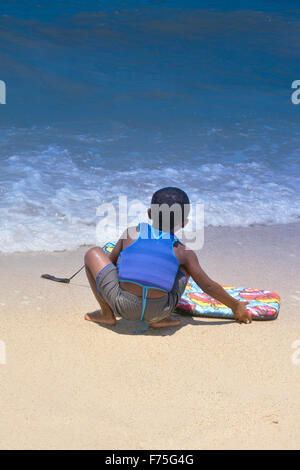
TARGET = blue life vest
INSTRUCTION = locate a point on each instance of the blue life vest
(149, 261)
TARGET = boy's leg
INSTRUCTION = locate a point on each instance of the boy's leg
(95, 260)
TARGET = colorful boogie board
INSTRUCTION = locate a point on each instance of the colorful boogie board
(263, 304)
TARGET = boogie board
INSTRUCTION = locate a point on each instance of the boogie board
(263, 304)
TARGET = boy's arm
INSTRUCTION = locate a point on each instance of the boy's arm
(128, 236)
(115, 253)
(215, 290)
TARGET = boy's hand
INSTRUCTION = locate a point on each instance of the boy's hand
(189, 260)
(241, 314)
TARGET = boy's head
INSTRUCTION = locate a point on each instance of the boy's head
(169, 209)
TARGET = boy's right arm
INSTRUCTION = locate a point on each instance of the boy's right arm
(212, 288)
(128, 236)
(115, 253)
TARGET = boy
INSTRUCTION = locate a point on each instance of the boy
(146, 273)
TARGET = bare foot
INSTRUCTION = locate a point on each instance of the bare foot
(169, 321)
(106, 318)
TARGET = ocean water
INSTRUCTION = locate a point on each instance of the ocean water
(115, 98)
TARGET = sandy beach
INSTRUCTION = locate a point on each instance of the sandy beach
(209, 384)
(104, 104)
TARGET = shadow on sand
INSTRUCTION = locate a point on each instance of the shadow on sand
(125, 327)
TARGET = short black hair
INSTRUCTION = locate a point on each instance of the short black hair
(170, 196)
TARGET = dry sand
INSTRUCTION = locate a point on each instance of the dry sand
(209, 384)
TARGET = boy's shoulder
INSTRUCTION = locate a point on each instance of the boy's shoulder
(180, 245)
(179, 249)
(129, 236)
(132, 232)
(183, 253)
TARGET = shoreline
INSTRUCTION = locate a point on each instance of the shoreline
(214, 384)
(207, 230)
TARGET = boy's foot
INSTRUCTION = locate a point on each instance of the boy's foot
(169, 321)
(101, 317)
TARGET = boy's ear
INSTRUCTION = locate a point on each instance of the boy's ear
(149, 213)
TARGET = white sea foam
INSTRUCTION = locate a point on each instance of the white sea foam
(49, 193)
(169, 98)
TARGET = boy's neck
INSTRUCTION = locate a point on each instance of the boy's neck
(161, 230)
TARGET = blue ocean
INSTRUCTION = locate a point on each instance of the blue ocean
(109, 98)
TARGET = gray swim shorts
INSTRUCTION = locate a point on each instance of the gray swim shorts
(129, 306)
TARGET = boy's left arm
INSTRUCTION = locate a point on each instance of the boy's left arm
(215, 290)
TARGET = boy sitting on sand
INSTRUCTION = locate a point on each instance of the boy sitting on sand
(146, 274)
